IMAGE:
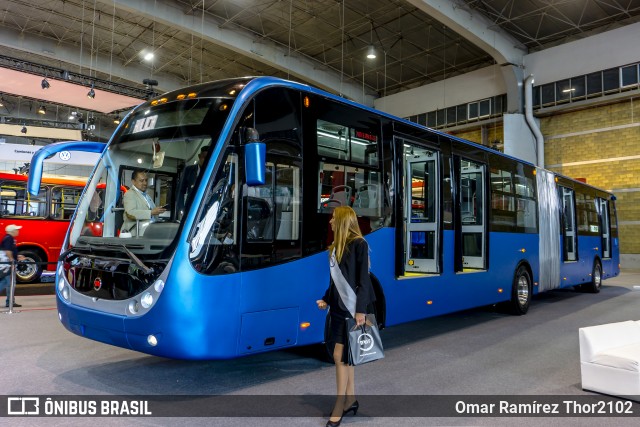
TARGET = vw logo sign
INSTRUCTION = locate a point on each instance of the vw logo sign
(64, 155)
(365, 341)
(97, 283)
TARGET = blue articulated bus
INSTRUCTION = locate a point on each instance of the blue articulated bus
(251, 169)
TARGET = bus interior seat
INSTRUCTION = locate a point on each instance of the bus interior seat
(259, 223)
(366, 201)
(341, 194)
(284, 215)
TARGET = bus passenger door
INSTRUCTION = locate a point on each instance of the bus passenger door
(569, 214)
(603, 207)
(422, 187)
(472, 209)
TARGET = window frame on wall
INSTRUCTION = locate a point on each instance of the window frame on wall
(629, 72)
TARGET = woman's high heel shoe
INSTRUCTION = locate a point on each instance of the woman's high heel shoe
(334, 423)
(353, 408)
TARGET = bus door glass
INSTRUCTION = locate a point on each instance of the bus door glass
(603, 206)
(422, 222)
(472, 178)
(569, 212)
(64, 201)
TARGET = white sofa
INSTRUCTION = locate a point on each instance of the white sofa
(610, 358)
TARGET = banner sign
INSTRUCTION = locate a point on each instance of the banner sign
(474, 406)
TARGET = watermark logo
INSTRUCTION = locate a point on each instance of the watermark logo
(23, 406)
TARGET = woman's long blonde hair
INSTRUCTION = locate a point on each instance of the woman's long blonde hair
(346, 229)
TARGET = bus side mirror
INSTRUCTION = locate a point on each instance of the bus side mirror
(255, 163)
(254, 157)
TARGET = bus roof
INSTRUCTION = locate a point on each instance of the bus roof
(261, 82)
(257, 83)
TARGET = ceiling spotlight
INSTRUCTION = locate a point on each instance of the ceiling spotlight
(116, 120)
(371, 52)
(148, 56)
(42, 110)
(45, 83)
(92, 93)
(24, 129)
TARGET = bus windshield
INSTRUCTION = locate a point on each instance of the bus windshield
(144, 183)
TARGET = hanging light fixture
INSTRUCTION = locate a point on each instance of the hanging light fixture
(45, 83)
(92, 93)
(371, 52)
(42, 110)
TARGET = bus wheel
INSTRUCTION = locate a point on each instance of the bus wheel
(596, 279)
(30, 269)
(521, 291)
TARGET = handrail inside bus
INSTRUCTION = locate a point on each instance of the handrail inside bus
(35, 168)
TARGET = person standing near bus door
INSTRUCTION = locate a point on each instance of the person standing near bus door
(10, 248)
(138, 206)
(350, 253)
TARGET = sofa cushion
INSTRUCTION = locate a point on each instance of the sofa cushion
(626, 357)
(596, 339)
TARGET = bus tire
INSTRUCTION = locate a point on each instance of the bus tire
(521, 291)
(29, 273)
(596, 278)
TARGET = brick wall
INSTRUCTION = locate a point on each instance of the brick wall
(601, 144)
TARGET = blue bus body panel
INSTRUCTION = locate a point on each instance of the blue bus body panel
(98, 326)
(214, 317)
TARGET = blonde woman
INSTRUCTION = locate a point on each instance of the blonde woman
(348, 295)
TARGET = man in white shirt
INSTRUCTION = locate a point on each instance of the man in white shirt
(139, 208)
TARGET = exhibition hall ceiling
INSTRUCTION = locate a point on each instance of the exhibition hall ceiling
(195, 40)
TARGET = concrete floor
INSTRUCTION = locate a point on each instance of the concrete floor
(475, 352)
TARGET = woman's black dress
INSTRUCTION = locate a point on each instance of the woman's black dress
(355, 268)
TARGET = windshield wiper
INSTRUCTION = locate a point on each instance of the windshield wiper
(136, 260)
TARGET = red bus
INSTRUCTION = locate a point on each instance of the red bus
(44, 219)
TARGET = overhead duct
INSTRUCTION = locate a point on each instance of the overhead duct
(528, 114)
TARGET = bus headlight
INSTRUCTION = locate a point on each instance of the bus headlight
(60, 283)
(133, 306)
(65, 293)
(146, 300)
(158, 286)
